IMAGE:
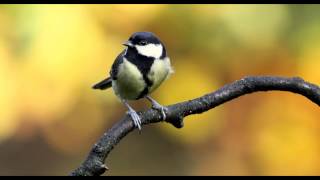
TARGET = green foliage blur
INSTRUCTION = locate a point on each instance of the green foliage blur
(51, 55)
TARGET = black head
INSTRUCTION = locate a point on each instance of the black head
(146, 44)
(144, 38)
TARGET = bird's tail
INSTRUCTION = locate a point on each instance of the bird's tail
(104, 84)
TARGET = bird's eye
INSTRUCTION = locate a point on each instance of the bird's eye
(143, 43)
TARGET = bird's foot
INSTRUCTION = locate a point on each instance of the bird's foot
(135, 118)
(162, 109)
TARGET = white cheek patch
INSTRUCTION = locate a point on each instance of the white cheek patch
(150, 50)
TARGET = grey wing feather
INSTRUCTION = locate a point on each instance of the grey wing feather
(107, 83)
(104, 84)
(115, 66)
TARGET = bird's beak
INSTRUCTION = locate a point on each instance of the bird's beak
(127, 43)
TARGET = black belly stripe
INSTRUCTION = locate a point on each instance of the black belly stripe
(147, 80)
(144, 64)
(145, 91)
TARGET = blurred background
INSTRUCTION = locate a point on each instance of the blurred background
(51, 55)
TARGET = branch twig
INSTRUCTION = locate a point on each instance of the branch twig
(94, 164)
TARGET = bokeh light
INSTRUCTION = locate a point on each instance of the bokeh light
(51, 55)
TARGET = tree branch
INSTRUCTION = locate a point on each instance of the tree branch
(94, 164)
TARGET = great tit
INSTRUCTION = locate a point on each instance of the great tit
(138, 71)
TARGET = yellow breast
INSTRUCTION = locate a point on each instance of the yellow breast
(160, 70)
(129, 83)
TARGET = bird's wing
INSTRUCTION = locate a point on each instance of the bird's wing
(116, 64)
(104, 84)
(107, 83)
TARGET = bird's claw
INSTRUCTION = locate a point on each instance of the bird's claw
(135, 118)
(160, 108)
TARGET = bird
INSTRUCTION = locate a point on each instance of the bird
(138, 71)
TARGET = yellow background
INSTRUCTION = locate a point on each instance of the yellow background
(51, 55)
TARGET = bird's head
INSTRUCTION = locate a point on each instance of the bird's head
(146, 44)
